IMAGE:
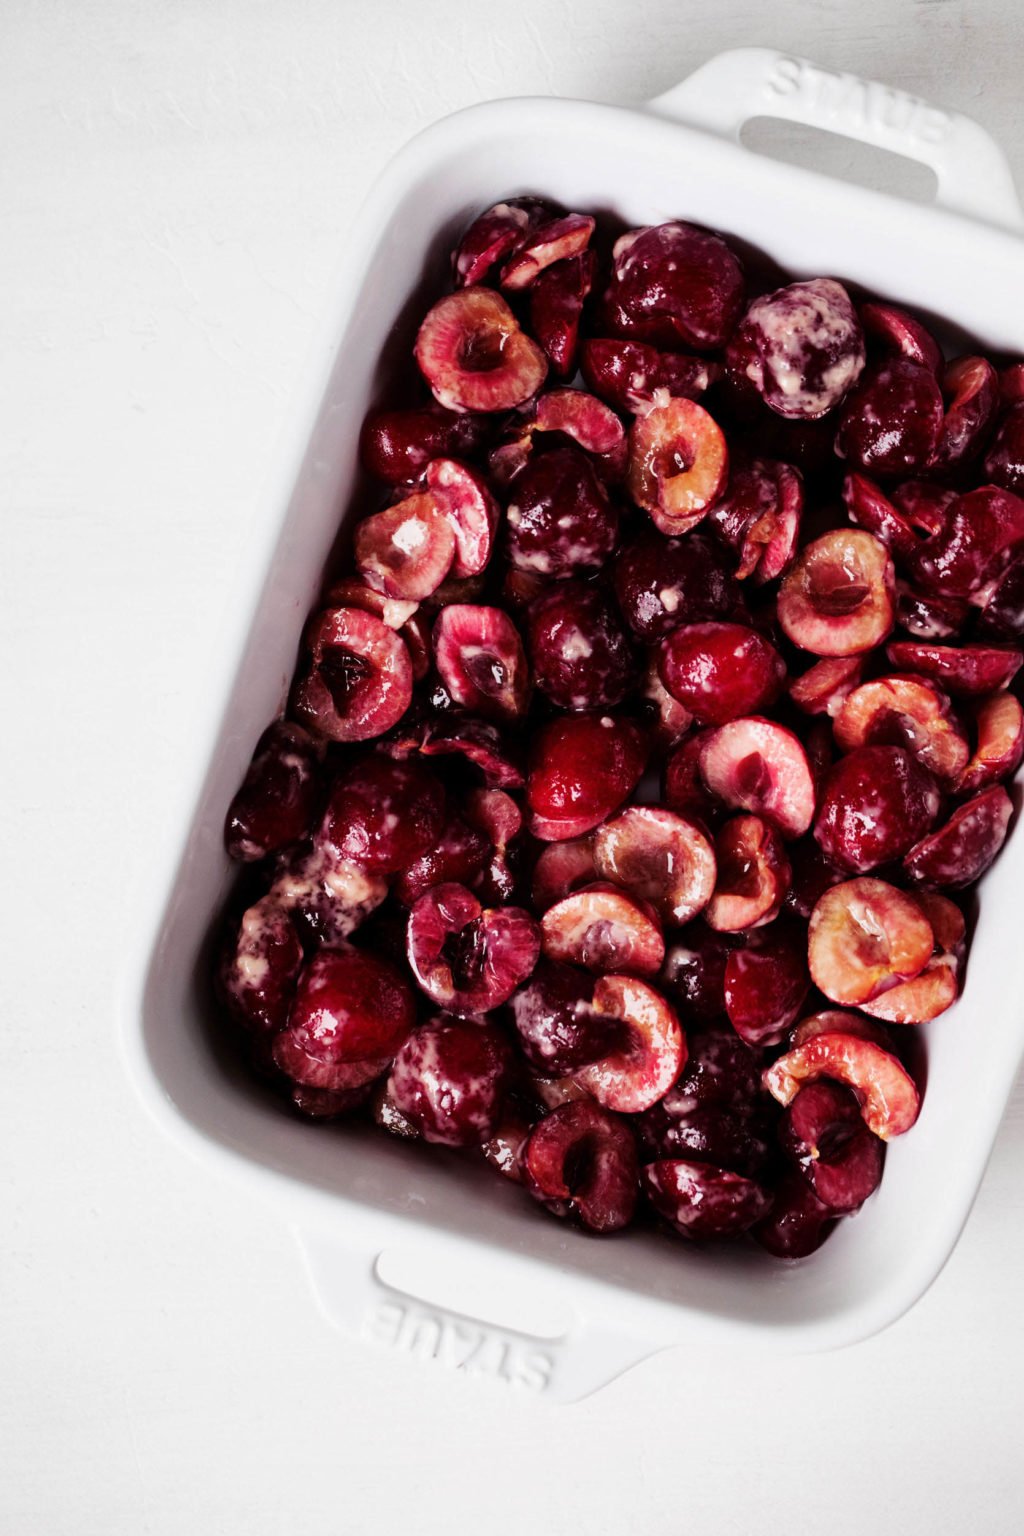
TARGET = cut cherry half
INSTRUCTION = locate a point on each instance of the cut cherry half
(678, 463)
(603, 928)
(357, 682)
(474, 356)
(753, 875)
(480, 657)
(866, 936)
(888, 1098)
(961, 850)
(905, 711)
(450, 1079)
(582, 1161)
(719, 671)
(825, 1137)
(759, 766)
(999, 738)
(660, 857)
(582, 768)
(937, 987)
(641, 1071)
(839, 597)
(466, 958)
(407, 550)
(700, 1201)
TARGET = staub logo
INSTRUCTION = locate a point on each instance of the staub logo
(459, 1344)
(858, 106)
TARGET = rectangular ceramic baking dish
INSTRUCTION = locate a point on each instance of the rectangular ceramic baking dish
(511, 1293)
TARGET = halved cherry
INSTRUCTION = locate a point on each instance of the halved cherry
(604, 929)
(560, 519)
(908, 712)
(358, 681)
(560, 869)
(352, 1012)
(719, 671)
(582, 1161)
(465, 958)
(999, 730)
(396, 446)
(961, 850)
(471, 510)
(260, 967)
(1004, 461)
(669, 721)
(979, 535)
(866, 936)
(694, 972)
(558, 1028)
(582, 658)
(833, 1021)
(474, 356)
(682, 788)
(630, 374)
(407, 550)
(450, 1081)
(383, 814)
(480, 656)
(661, 583)
(971, 387)
(555, 240)
(801, 347)
(759, 766)
(584, 419)
(766, 982)
(659, 856)
(277, 800)
(557, 297)
(678, 463)
(868, 506)
(753, 875)
(892, 422)
(636, 1076)
(889, 1101)
(898, 332)
(494, 235)
(927, 616)
(875, 804)
(701, 1201)
(460, 854)
(582, 768)
(839, 597)
(674, 285)
(479, 742)
(822, 689)
(759, 518)
(797, 1224)
(824, 1135)
(498, 818)
(969, 671)
(937, 987)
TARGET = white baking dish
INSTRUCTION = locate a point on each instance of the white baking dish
(352, 1195)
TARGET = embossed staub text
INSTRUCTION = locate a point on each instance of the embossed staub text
(459, 1344)
(860, 107)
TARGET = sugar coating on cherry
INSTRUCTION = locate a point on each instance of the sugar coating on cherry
(560, 520)
(801, 348)
(603, 928)
(450, 1079)
(581, 656)
(674, 285)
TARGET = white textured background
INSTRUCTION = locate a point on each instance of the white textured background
(176, 181)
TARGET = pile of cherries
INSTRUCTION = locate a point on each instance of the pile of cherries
(631, 763)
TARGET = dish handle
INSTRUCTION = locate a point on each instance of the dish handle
(563, 1368)
(973, 174)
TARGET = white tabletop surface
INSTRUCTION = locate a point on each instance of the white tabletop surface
(176, 182)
